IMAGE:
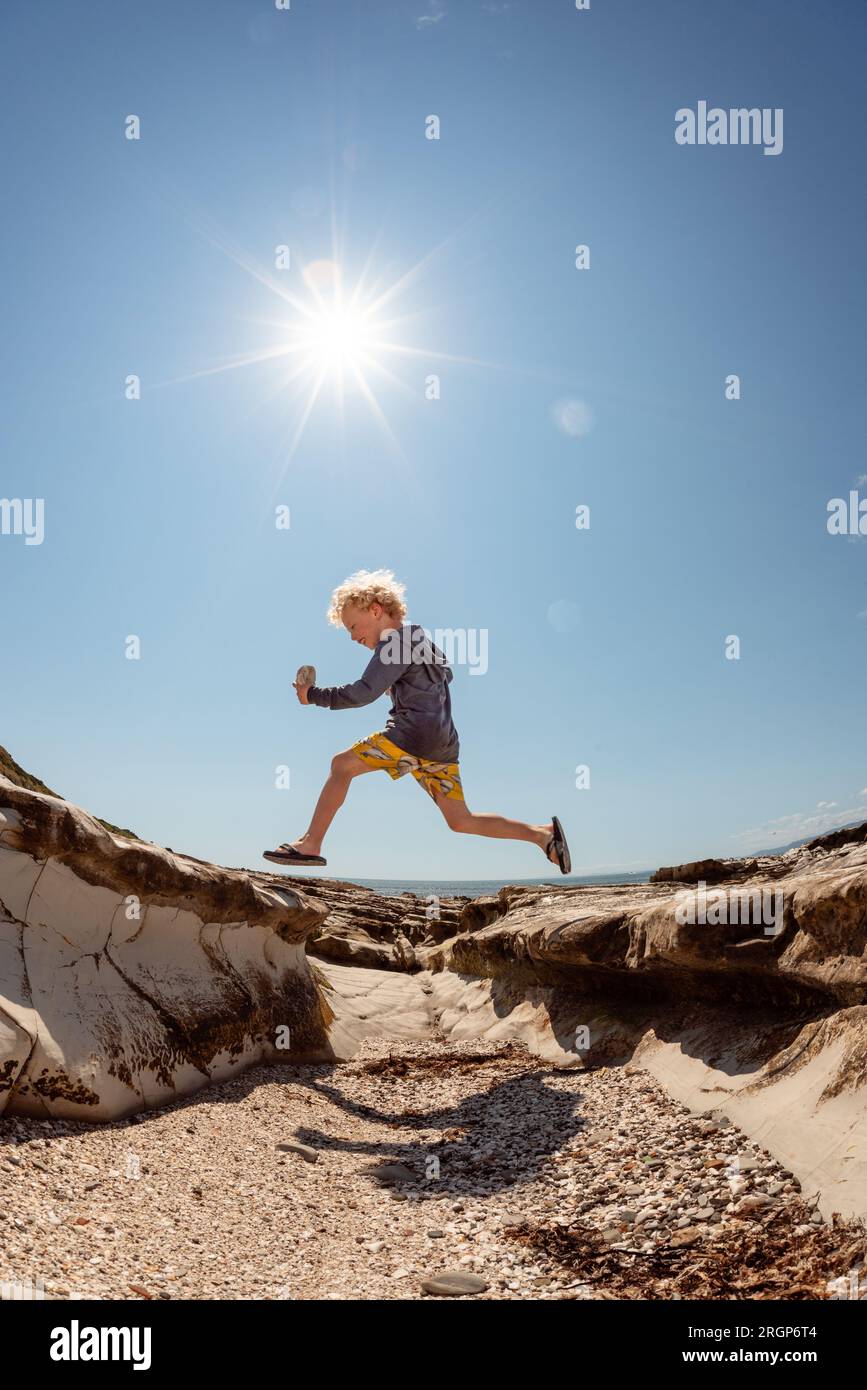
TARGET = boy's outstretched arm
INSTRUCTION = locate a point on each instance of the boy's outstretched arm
(377, 677)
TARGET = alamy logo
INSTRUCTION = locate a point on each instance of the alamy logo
(739, 126)
(77, 1343)
(22, 1290)
(23, 516)
(446, 646)
(730, 907)
(848, 520)
(853, 1286)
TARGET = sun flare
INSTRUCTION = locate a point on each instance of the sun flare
(343, 339)
(333, 333)
(339, 338)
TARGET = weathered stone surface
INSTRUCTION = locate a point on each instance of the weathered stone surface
(373, 930)
(130, 975)
(709, 870)
(626, 938)
(638, 942)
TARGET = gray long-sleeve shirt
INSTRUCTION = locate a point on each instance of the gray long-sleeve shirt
(406, 665)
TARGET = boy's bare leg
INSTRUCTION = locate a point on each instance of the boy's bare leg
(344, 767)
(459, 817)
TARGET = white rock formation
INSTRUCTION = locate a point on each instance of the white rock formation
(130, 975)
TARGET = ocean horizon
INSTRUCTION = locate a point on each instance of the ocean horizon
(484, 887)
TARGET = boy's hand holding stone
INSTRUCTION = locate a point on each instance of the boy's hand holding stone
(305, 677)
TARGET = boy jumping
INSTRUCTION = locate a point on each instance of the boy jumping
(419, 735)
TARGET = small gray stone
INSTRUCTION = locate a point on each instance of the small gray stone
(311, 1155)
(454, 1282)
(511, 1218)
(753, 1202)
(687, 1236)
(392, 1172)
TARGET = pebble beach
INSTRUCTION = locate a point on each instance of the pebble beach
(415, 1170)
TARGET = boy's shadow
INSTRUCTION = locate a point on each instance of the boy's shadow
(512, 1152)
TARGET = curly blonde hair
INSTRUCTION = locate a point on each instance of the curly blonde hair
(365, 588)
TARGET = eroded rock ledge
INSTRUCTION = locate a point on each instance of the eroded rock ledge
(130, 975)
(786, 931)
(798, 939)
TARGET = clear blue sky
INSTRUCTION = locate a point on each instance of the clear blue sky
(708, 516)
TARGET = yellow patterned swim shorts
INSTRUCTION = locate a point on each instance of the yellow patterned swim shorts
(379, 752)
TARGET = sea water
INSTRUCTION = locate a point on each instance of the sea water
(485, 887)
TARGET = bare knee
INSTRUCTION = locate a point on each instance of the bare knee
(346, 764)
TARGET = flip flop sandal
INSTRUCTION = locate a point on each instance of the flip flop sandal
(285, 854)
(558, 843)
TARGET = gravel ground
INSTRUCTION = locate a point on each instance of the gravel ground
(544, 1184)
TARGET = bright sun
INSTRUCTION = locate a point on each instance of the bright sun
(336, 335)
(338, 338)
